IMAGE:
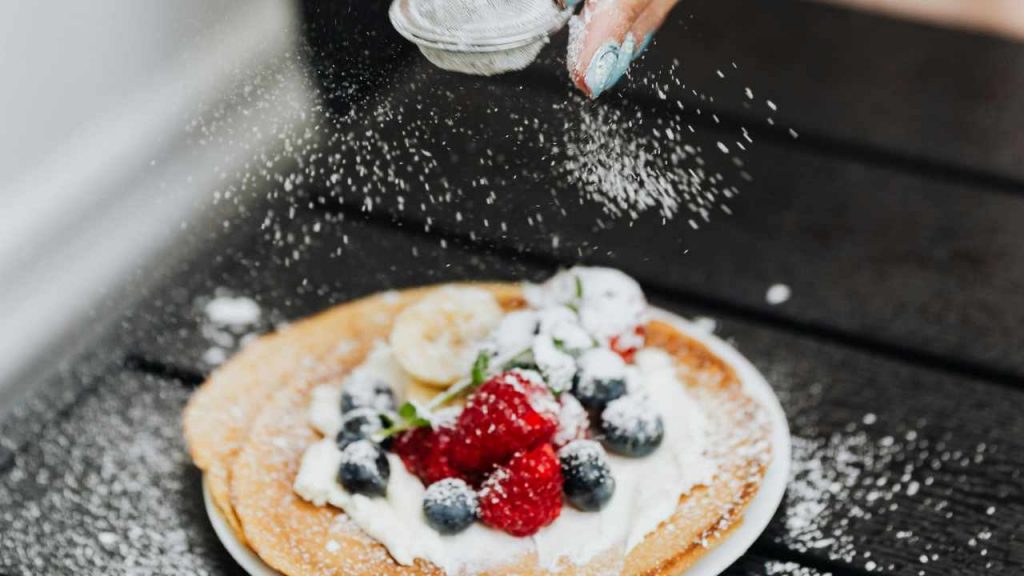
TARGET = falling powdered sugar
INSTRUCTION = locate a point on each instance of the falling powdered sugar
(630, 161)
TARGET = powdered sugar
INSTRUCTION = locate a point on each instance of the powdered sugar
(230, 321)
(557, 366)
(563, 325)
(108, 489)
(573, 421)
(537, 393)
(634, 415)
(361, 453)
(628, 168)
(367, 384)
(451, 491)
(582, 451)
(608, 302)
(599, 364)
(514, 334)
(777, 294)
(238, 311)
(366, 392)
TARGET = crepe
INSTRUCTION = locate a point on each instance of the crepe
(251, 461)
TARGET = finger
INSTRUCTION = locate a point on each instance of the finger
(600, 45)
(648, 23)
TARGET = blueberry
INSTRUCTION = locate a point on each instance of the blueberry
(596, 394)
(630, 426)
(450, 505)
(600, 379)
(587, 479)
(364, 469)
(364, 393)
(358, 424)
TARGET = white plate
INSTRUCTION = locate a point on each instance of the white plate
(755, 519)
(249, 561)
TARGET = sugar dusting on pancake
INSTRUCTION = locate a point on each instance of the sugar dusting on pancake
(298, 538)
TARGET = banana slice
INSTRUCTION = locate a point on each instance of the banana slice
(435, 340)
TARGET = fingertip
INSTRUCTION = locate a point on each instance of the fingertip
(602, 71)
(608, 65)
(601, 46)
(625, 58)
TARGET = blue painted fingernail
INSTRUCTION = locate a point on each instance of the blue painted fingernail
(643, 45)
(625, 57)
(572, 3)
(602, 68)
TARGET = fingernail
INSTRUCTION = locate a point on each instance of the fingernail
(571, 3)
(643, 45)
(625, 57)
(602, 67)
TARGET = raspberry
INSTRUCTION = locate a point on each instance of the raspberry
(507, 414)
(425, 453)
(524, 495)
(627, 344)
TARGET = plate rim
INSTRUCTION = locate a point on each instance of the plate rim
(755, 519)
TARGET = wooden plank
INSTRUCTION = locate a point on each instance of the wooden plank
(896, 469)
(109, 489)
(755, 564)
(928, 268)
(316, 260)
(928, 95)
(892, 461)
(48, 396)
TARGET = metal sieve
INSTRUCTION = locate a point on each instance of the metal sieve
(478, 36)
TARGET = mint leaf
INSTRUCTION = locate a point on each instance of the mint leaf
(579, 288)
(409, 417)
(483, 360)
(408, 411)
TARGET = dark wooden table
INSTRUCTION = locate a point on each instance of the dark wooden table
(896, 218)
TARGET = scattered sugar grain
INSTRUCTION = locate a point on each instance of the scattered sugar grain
(237, 311)
(777, 294)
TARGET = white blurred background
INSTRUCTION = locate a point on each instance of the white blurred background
(99, 101)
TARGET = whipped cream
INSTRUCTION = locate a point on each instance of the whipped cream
(609, 303)
(380, 365)
(647, 490)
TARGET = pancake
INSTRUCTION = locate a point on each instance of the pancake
(256, 463)
(220, 412)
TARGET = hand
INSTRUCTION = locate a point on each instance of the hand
(607, 36)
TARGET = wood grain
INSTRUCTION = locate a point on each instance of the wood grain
(917, 93)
